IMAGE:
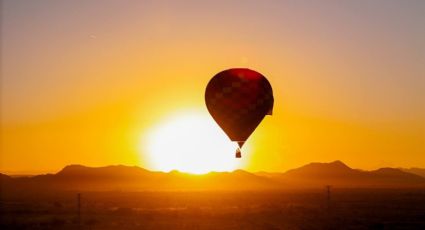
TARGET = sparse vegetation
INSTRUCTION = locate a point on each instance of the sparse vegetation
(302, 209)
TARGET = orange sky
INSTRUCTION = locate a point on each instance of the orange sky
(84, 81)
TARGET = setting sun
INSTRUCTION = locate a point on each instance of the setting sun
(190, 142)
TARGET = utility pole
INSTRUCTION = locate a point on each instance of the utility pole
(328, 198)
(79, 209)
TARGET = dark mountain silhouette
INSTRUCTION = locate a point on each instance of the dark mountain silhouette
(312, 171)
(78, 177)
(322, 170)
(417, 171)
(338, 174)
(314, 175)
(4, 177)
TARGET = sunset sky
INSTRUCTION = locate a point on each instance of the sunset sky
(122, 82)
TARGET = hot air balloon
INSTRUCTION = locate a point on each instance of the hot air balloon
(238, 99)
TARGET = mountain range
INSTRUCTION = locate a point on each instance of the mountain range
(313, 175)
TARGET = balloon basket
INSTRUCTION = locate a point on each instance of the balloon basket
(238, 153)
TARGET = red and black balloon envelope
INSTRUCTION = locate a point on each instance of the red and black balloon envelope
(238, 100)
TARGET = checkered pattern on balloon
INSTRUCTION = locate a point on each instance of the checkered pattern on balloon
(238, 100)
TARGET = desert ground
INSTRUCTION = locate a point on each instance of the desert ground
(291, 209)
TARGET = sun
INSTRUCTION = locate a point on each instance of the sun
(190, 142)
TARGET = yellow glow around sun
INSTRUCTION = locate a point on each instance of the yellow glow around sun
(191, 142)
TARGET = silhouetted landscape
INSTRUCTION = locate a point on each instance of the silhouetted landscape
(125, 178)
(314, 196)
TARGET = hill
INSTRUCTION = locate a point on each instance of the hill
(78, 177)
(119, 177)
(340, 175)
(417, 171)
